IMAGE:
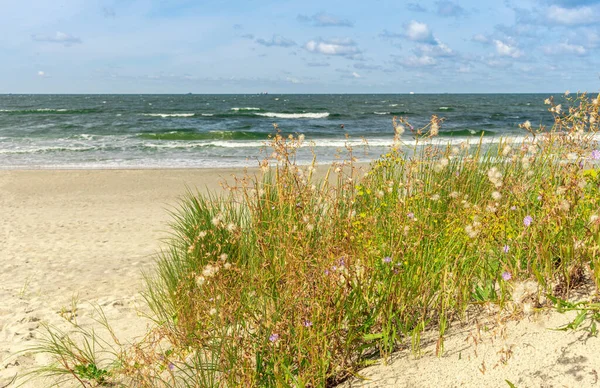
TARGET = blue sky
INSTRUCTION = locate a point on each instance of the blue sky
(309, 46)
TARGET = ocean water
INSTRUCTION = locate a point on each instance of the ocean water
(187, 131)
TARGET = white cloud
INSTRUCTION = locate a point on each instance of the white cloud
(480, 38)
(276, 40)
(41, 73)
(355, 75)
(59, 37)
(417, 61)
(565, 48)
(419, 32)
(572, 16)
(340, 46)
(323, 19)
(507, 50)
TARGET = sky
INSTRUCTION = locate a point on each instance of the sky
(309, 46)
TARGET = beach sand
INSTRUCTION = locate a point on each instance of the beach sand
(70, 240)
(82, 237)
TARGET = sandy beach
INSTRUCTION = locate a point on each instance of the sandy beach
(74, 239)
(84, 237)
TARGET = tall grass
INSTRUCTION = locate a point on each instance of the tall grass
(291, 281)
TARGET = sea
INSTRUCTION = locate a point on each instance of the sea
(212, 131)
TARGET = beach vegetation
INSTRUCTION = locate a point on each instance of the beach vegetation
(289, 280)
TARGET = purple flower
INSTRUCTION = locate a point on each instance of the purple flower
(326, 272)
(342, 261)
(513, 208)
(505, 249)
(411, 215)
(274, 337)
(306, 323)
(387, 259)
(595, 154)
(506, 275)
(527, 220)
(171, 366)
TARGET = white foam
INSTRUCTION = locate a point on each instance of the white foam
(295, 115)
(163, 115)
(381, 113)
(444, 108)
(393, 104)
(247, 108)
(207, 114)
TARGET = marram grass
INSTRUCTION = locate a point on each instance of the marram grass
(290, 281)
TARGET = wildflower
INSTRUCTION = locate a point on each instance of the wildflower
(595, 101)
(491, 209)
(527, 220)
(547, 101)
(200, 280)
(435, 197)
(307, 323)
(301, 137)
(212, 311)
(593, 218)
(305, 219)
(202, 234)
(564, 205)
(496, 195)
(274, 337)
(572, 156)
(567, 93)
(505, 249)
(227, 265)
(557, 109)
(171, 366)
(527, 125)
(435, 129)
(210, 271)
(595, 154)
(506, 275)
(231, 227)
(310, 227)
(453, 194)
(387, 259)
(223, 256)
(495, 176)
(471, 231)
(411, 215)
(506, 151)
(513, 208)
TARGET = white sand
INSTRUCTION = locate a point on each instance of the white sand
(84, 235)
(486, 353)
(88, 234)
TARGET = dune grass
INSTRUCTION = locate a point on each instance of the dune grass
(291, 281)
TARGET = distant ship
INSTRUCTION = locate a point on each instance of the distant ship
(263, 93)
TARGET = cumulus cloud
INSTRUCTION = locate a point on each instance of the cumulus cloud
(417, 61)
(59, 37)
(340, 47)
(323, 19)
(447, 8)
(480, 38)
(277, 41)
(507, 50)
(41, 73)
(565, 48)
(419, 32)
(573, 16)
